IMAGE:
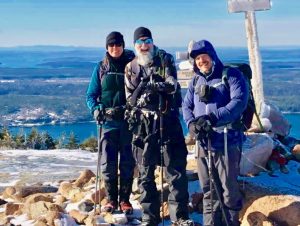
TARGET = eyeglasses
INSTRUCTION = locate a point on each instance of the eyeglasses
(115, 44)
(145, 41)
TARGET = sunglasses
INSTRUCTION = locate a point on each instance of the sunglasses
(115, 44)
(145, 41)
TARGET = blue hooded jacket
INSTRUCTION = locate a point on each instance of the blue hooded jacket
(227, 102)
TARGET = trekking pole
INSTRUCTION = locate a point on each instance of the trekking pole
(226, 148)
(98, 174)
(162, 146)
(210, 178)
(212, 183)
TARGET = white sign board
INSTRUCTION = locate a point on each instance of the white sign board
(236, 6)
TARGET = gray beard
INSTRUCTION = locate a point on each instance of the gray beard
(145, 59)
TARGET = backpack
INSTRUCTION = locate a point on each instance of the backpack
(248, 113)
(247, 116)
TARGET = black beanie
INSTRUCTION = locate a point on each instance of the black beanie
(141, 32)
(115, 37)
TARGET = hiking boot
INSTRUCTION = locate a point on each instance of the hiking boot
(126, 207)
(110, 207)
(183, 222)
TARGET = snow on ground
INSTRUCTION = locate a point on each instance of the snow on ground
(47, 167)
(37, 166)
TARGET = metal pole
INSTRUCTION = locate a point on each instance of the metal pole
(254, 59)
(162, 146)
(98, 174)
(212, 184)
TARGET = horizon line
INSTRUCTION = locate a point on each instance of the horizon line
(97, 47)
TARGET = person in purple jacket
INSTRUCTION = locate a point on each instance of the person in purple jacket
(211, 108)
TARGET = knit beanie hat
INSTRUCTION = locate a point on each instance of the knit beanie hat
(141, 32)
(115, 37)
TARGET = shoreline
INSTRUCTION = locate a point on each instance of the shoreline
(27, 125)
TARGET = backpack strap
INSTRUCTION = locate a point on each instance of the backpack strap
(225, 77)
(195, 82)
(162, 69)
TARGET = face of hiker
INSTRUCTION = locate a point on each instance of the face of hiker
(144, 50)
(204, 63)
(115, 50)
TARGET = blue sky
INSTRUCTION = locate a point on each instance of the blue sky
(172, 22)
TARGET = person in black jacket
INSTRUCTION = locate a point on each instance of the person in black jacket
(153, 94)
(106, 100)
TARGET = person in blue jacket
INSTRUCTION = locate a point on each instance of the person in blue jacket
(210, 109)
(106, 100)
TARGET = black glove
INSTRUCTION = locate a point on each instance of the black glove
(192, 129)
(99, 114)
(204, 92)
(161, 87)
(204, 125)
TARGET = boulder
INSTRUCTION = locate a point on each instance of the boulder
(38, 197)
(255, 153)
(78, 216)
(90, 220)
(19, 192)
(70, 191)
(281, 209)
(76, 195)
(35, 210)
(28, 190)
(50, 217)
(8, 192)
(100, 194)
(257, 218)
(84, 178)
(12, 208)
(59, 199)
(65, 188)
(4, 220)
(263, 205)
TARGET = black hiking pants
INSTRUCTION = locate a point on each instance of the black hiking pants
(225, 175)
(147, 156)
(117, 155)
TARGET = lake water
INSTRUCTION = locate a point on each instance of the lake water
(273, 59)
(88, 129)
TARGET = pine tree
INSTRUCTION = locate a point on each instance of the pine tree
(73, 141)
(48, 141)
(34, 140)
(6, 140)
(20, 140)
(90, 144)
(61, 142)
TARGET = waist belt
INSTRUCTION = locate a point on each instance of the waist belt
(116, 113)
